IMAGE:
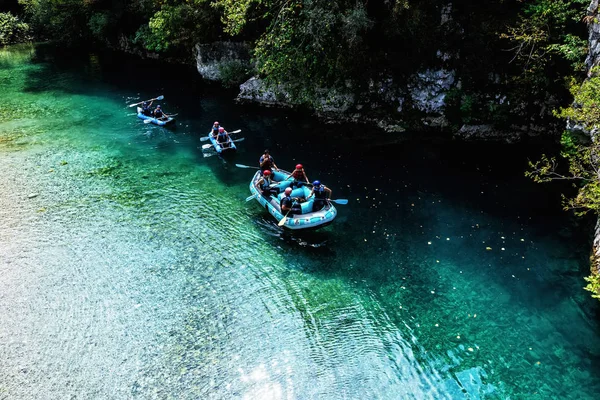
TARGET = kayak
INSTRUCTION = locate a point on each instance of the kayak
(309, 219)
(220, 149)
(161, 122)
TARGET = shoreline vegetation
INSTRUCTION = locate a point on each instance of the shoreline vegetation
(502, 64)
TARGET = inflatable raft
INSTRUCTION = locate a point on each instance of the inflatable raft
(309, 219)
(218, 148)
(161, 122)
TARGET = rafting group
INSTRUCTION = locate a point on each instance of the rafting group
(290, 197)
(294, 201)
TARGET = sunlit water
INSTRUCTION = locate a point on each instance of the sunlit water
(132, 267)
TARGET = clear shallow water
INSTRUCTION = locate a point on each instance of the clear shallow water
(131, 267)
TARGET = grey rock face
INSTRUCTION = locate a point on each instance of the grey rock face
(212, 56)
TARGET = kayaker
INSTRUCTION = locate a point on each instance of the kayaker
(322, 194)
(158, 113)
(290, 205)
(266, 162)
(215, 129)
(146, 108)
(299, 176)
(265, 182)
(223, 138)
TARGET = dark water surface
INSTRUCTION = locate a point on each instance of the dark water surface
(132, 267)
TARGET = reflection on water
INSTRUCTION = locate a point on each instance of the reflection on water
(132, 267)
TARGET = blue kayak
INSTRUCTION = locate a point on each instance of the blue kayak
(155, 121)
(309, 219)
(228, 147)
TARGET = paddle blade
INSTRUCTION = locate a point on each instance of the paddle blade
(249, 198)
(245, 166)
(340, 201)
(206, 146)
(238, 131)
(160, 97)
(147, 121)
(282, 222)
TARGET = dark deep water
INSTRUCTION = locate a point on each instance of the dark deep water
(131, 267)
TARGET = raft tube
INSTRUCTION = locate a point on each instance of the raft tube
(309, 219)
(153, 120)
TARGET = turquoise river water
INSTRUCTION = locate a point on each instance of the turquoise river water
(132, 268)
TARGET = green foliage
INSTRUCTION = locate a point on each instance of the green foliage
(234, 73)
(308, 44)
(65, 20)
(593, 284)
(12, 30)
(179, 24)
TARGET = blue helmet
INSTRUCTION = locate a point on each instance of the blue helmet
(317, 183)
(158, 106)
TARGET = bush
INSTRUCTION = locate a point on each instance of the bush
(12, 30)
(234, 73)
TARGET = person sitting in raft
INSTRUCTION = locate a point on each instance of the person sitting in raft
(223, 138)
(322, 194)
(299, 176)
(264, 184)
(146, 108)
(215, 129)
(158, 113)
(266, 162)
(290, 206)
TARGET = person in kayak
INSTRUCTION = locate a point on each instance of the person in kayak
(265, 184)
(290, 206)
(146, 108)
(158, 113)
(215, 129)
(266, 162)
(299, 176)
(223, 138)
(322, 194)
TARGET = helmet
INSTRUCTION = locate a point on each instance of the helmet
(216, 123)
(299, 166)
(267, 172)
(158, 106)
(266, 151)
(221, 129)
(288, 190)
(317, 183)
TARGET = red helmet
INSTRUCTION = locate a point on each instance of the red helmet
(216, 123)
(267, 172)
(299, 166)
(221, 129)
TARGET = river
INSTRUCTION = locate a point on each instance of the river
(132, 267)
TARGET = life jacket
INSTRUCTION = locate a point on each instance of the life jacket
(298, 174)
(158, 113)
(215, 130)
(222, 137)
(268, 163)
(319, 192)
(286, 201)
(266, 183)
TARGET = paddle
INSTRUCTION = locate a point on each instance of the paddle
(249, 198)
(339, 201)
(245, 166)
(205, 138)
(208, 146)
(280, 223)
(156, 98)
